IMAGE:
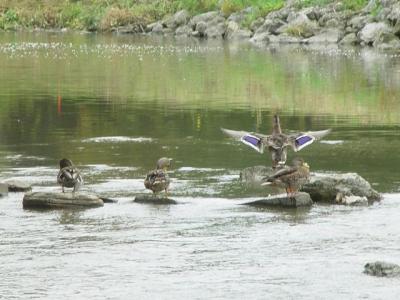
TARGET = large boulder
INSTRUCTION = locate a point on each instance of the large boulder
(382, 269)
(372, 31)
(271, 26)
(326, 187)
(178, 19)
(349, 39)
(301, 199)
(49, 200)
(205, 17)
(332, 188)
(18, 186)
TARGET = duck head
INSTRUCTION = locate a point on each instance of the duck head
(164, 163)
(65, 162)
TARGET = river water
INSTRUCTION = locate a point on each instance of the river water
(115, 104)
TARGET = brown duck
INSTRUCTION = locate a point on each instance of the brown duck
(277, 142)
(69, 176)
(158, 179)
(291, 178)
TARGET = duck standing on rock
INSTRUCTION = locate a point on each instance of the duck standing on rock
(158, 179)
(69, 176)
(277, 142)
(291, 178)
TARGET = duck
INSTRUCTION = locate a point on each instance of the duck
(277, 142)
(292, 178)
(158, 180)
(69, 176)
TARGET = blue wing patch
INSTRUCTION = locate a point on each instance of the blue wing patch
(253, 141)
(303, 141)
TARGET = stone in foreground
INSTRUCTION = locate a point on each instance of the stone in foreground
(61, 200)
(18, 186)
(151, 199)
(301, 199)
(382, 269)
(3, 189)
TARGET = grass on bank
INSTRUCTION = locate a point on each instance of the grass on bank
(102, 15)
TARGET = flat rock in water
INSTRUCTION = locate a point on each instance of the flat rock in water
(18, 186)
(151, 199)
(108, 200)
(301, 199)
(3, 189)
(61, 200)
(382, 269)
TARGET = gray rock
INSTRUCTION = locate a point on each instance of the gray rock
(302, 26)
(61, 200)
(349, 39)
(326, 187)
(151, 199)
(271, 26)
(321, 187)
(205, 17)
(3, 189)
(215, 31)
(394, 15)
(326, 36)
(201, 28)
(233, 32)
(181, 18)
(157, 28)
(285, 39)
(387, 41)
(301, 199)
(358, 22)
(183, 30)
(256, 24)
(150, 27)
(260, 38)
(382, 269)
(18, 186)
(371, 32)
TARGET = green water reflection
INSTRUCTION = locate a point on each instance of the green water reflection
(57, 90)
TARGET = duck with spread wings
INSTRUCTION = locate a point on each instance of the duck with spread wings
(277, 142)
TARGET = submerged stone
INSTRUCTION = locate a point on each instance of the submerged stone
(61, 200)
(382, 269)
(301, 199)
(153, 199)
(18, 186)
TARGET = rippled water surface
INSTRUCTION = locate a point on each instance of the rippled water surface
(114, 104)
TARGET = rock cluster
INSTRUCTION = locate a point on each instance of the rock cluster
(378, 25)
(346, 189)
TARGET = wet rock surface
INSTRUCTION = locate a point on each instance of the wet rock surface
(18, 186)
(154, 199)
(301, 199)
(48, 200)
(346, 189)
(3, 189)
(382, 269)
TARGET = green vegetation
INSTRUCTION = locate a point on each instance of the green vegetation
(348, 4)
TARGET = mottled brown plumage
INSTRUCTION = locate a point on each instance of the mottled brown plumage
(291, 178)
(158, 179)
(69, 176)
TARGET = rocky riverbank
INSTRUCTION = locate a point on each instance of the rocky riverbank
(376, 25)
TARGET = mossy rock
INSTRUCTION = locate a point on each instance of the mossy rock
(51, 200)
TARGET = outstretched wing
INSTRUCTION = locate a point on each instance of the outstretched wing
(253, 140)
(301, 140)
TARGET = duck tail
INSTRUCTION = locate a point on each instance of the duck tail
(276, 129)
